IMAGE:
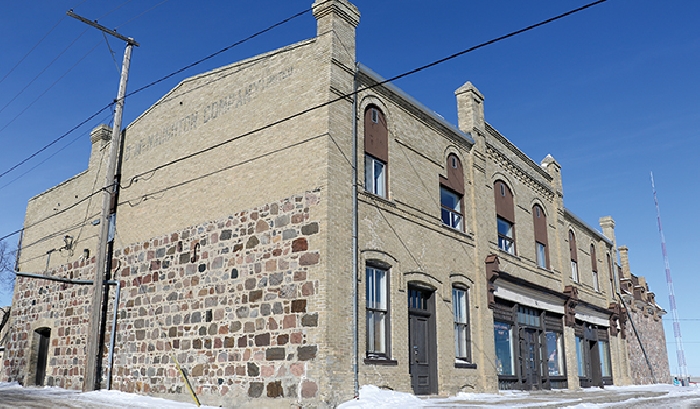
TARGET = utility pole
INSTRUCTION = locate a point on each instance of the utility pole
(107, 221)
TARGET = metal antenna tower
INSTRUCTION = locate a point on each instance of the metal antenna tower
(671, 295)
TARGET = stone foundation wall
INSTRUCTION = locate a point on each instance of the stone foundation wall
(235, 301)
(651, 331)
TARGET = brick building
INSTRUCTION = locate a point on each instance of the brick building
(238, 261)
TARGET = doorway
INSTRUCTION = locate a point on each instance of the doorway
(42, 337)
(531, 358)
(421, 341)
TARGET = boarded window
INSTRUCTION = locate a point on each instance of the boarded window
(376, 134)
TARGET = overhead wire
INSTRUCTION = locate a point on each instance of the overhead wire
(367, 87)
(49, 88)
(72, 141)
(305, 111)
(43, 70)
(286, 20)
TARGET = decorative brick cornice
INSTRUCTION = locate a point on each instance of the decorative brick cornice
(524, 177)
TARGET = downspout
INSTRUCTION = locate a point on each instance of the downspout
(117, 283)
(355, 267)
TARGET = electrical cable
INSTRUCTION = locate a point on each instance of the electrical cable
(88, 119)
(139, 15)
(49, 88)
(43, 71)
(377, 84)
(154, 83)
(303, 112)
(72, 141)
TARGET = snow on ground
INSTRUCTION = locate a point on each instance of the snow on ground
(646, 396)
(102, 399)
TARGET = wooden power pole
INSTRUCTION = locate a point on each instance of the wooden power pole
(107, 221)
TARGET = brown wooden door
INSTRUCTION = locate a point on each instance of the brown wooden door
(531, 373)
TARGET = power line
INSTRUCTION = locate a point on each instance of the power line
(303, 112)
(23, 161)
(156, 82)
(42, 71)
(377, 84)
(72, 141)
(49, 88)
(32, 49)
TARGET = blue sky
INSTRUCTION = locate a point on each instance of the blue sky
(610, 92)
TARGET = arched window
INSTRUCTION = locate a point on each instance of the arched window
(376, 151)
(574, 256)
(505, 216)
(539, 220)
(451, 193)
(594, 268)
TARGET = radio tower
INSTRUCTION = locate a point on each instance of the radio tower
(671, 295)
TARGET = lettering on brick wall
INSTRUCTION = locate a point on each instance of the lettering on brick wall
(210, 112)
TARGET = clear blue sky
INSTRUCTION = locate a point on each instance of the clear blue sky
(611, 93)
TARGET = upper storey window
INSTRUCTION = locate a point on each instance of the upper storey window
(505, 215)
(376, 151)
(539, 221)
(594, 268)
(451, 193)
(574, 256)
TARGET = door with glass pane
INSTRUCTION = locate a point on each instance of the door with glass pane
(421, 342)
(530, 356)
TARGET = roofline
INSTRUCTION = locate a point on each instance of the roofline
(585, 225)
(402, 94)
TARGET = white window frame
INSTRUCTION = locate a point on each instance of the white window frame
(596, 284)
(574, 271)
(460, 314)
(506, 240)
(377, 305)
(375, 176)
(451, 217)
(541, 255)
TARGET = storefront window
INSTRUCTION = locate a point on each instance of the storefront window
(604, 352)
(579, 357)
(503, 338)
(555, 353)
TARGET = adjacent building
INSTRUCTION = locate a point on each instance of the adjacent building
(239, 236)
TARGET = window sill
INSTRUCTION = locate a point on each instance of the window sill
(466, 365)
(384, 199)
(380, 361)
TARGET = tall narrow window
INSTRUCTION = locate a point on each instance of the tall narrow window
(594, 268)
(377, 311)
(503, 341)
(604, 353)
(574, 256)
(580, 359)
(460, 312)
(451, 193)
(376, 151)
(608, 260)
(451, 204)
(541, 249)
(505, 216)
(555, 354)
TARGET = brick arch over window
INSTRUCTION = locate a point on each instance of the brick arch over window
(376, 134)
(376, 151)
(455, 175)
(504, 201)
(539, 221)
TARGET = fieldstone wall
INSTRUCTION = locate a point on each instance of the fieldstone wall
(234, 301)
(651, 332)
